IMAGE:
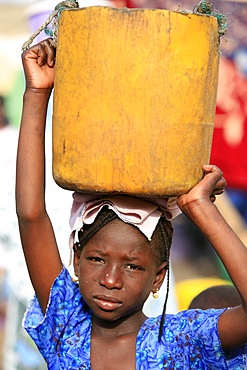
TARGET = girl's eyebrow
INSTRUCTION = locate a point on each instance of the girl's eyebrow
(99, 251)
(126, 257)
(134, 258)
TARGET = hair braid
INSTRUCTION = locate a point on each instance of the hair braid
(90, 230)
(167, 243)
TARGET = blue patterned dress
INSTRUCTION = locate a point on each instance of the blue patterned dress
(190, 339)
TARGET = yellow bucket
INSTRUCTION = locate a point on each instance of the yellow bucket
(134, 100)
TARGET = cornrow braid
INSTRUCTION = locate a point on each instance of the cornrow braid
(167, 241)
(88, 231)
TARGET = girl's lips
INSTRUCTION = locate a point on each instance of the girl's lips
(107, 303)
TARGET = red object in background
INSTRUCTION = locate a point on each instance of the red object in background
(229, 147)
(139, 3)
(123, 3)
(129, 4)
(132, 3)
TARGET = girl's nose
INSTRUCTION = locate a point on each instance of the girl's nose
(111, 277)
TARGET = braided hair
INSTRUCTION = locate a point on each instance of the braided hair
(160, 244)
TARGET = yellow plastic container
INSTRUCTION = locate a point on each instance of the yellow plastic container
(134, 100)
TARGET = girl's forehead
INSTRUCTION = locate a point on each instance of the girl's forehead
(122, 232)
(122, 238)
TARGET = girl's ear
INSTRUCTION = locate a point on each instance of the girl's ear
(160, 276)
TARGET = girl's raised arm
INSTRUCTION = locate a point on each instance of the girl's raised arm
(37, 236)
(197, 205)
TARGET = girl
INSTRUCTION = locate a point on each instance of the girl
(98, 323)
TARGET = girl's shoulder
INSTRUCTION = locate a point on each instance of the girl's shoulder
(188, 337)
(65, 303)
(182, 325)
(190, 318)
(65, 327)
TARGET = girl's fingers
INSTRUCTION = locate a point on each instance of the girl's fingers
(43, 52)
(50, 52)
(216, 176)
(41, 60)
(220, 186)
(212, 198)
(211, 168)
(218, 192)
(211, 185)
(38, 64)
(220, 181)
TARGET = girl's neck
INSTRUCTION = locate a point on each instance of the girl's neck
(129, 325)
(115, 342)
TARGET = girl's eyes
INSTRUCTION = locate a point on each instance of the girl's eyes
(132, 266)
(96, 259)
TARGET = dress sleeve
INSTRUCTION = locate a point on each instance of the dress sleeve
(46, 330)
(205, 335)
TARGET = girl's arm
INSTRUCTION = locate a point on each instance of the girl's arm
(199, 208)
(37, 236)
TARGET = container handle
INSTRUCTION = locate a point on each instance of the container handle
(54, 20)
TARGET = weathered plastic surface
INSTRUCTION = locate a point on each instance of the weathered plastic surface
(134, 100)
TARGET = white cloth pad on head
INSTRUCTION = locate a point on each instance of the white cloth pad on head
(140, 212)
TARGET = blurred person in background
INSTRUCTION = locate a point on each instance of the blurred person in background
(218, 296)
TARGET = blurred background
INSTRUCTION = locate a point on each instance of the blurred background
(194, 264)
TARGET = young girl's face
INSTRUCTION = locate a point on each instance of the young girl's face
(117, 271)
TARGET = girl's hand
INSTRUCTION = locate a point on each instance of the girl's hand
(212, 184)
(38, 63)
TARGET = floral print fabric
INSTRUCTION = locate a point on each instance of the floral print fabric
(190, 339)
